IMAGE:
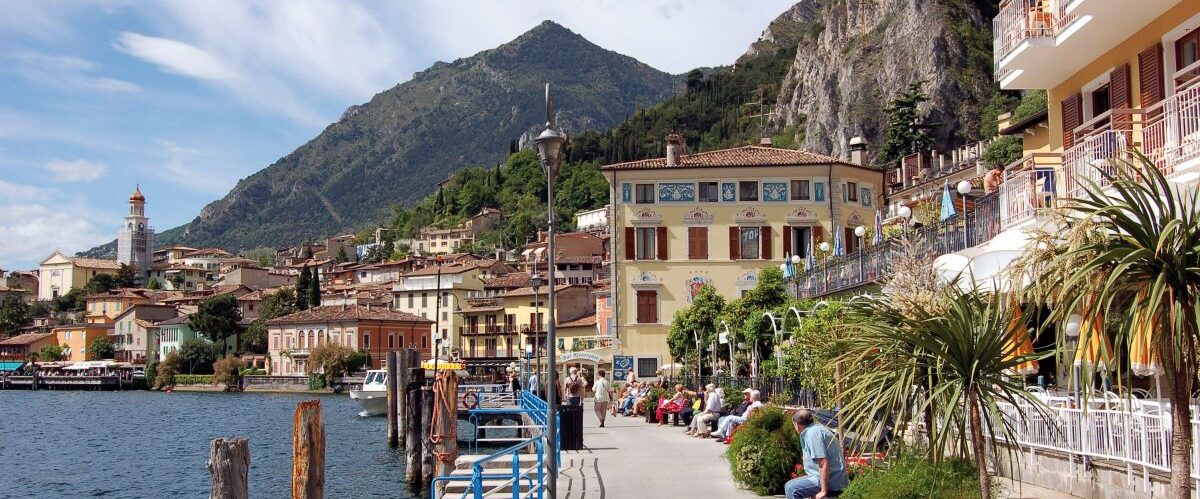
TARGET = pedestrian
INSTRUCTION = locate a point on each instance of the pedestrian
(712, 408)
(533, 384)
(824, 464)
(514, 382)
(601, 396)
(739, 415)
(993, 178)
(574, 386)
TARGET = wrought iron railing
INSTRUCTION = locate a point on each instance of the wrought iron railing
(868, 265)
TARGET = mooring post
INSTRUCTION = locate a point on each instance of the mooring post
(392, 399)
(308, 451)
(427, 460)
(229, 463)
(446, 446)
(403, 363)
(412, 438)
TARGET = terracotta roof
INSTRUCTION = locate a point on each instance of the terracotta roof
(96, 263)
(738, 156)
(527, 291)
(578, 259)
(145, 323)
(208, 251)
(256, 295)
(120, 293)
(446, 269)
(512, 280)
(345, 314)
(26, 339)
(585, 321)
(182, 319)
(476, 310)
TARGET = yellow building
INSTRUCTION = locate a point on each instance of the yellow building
(59, 273)
(717, 218)
(1118, 76)
(103, 308)
(76, 339)
(417, 294)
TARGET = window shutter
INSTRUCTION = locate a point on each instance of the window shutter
(630, 244)
(661, 242)
(787, 240)
(1150, 75)
(698, 243)
(1072, 113)
(734, 241)
(818, 235)
(1118, 88)
(765, 237)
(703, 243)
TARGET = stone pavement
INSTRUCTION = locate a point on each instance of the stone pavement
(629, 458)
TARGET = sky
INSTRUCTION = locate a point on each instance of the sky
(184, 98)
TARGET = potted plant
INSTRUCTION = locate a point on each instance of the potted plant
(650, 405)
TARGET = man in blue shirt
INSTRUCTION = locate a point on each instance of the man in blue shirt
(824, 465)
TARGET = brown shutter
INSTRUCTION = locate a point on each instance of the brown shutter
(630, 244)
(661, 243)
(703, 243)
(1072, 115)
(818, 235)
(698, 243)
(765, 238)
(1150, 75)
(787, 240)
(1118, 88)
(734, 241)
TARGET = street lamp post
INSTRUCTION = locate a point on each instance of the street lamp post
(905, 213)
(437, 316)
(536, 282)
(964, 188)
(528, 359)
(699, 356)
(859, 232)
(796, 274)
(824, 246)
(549, 144)
(730, 339)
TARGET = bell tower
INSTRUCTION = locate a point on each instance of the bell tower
(135, 242)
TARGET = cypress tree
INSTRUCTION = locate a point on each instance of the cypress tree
(314, 290)
(302, 284)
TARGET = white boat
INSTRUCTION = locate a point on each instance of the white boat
(373, 394)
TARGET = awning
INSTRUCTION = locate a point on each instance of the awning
(10, 366)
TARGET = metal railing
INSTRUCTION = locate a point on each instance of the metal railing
(1021, 20)
(533, 478)
(1089, 160)
(1133, 432)
(866, 266)
(1172, 132)
(1024, 194)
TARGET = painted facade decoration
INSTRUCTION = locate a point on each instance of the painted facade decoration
(774, 191)
(729, 192)
(646, 216)
(626, 193)
(801, 215)
(677, 192)
(818, 191)
(697, 216)
(750, 215)
(694, 284)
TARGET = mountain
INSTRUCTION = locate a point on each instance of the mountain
(853, 57)
(397, 147)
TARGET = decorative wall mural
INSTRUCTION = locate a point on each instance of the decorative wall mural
(681, 192)
(627, 193)
(774, 191)
(818, 191)
(728, 192)
(693, 285)
(801, 215)
(750, 215)
(747, 281)
(855, 220)
(697, 216)
(646, 216)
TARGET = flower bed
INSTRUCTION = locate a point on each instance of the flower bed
(764, 451)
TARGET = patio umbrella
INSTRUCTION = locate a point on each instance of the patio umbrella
(947, 203)
(1094, 348)
(1143, 358)
(812, 260)
(1020, 344)
(878, 228)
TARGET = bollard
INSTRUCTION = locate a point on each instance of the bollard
(308, 451)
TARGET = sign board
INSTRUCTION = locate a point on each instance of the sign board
(723, 338)
(579, 357)
(622, 365)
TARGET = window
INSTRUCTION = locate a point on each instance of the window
(647, 367)
(645, 193)
(647, 307)
(391, 340)
(819, 191)
(646, 238)
(709, 192)
(424, 300)
(1100, 101)
(1187, 50)
(410, 300)
(697, 243)
(866, 195)
(750, 242)
(748, 190)
(852, 191)
(424, 342)
(850, 239)
(366, 341)
(801, 190)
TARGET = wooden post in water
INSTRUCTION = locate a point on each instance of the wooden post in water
(229, 463)
(446, 422)
(401, 402)
(412, 438)
(392, 399)
(308, 451)
(427, 460)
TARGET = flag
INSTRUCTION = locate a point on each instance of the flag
(812, 260)
(838, 248)
(878, 239)
(947, 203)
(788, 270)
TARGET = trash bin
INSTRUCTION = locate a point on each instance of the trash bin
(570, 426)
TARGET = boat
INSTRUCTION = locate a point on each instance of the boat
(373, 394)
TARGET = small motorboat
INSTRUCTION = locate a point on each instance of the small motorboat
(373, 394)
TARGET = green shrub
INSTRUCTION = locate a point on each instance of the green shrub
(151, 373)
(651, 403)
(193, 379)
(764, 452)
(1034, 101)
(1003, 151)
(910, 476)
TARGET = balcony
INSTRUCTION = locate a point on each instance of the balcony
(1171, 136)
(1030, 187)
(1041, 43)
(486, 329)
(1089, 160)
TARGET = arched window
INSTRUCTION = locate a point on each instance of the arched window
(320, 336)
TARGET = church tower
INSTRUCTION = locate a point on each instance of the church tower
(135, 243)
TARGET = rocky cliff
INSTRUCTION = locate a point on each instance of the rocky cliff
(853, 56)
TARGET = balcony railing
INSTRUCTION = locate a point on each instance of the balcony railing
(866, 266)
(1026, 192)
(487, 329)
(1089, 160)
(1171, 136)
(1021, 20)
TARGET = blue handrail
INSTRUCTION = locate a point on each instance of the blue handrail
(536, 409)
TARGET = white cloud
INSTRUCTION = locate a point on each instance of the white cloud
(176, 57)
(68, 72)
(76, 170)
(35, 222)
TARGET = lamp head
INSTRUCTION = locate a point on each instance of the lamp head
(860, 231)
(1073, 325)
(795, 259)
(783, 267)
(964, 187)
(537, 281)
(824, 246)
(549, 145)
(904, 212)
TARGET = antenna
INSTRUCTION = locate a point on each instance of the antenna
(762, 131)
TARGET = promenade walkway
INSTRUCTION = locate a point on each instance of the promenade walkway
(629, 458)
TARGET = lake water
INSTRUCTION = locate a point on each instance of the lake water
(155, 445)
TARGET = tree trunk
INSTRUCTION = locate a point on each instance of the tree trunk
(1181, 434)
(977, 447)
(229, 463)
(308, 451)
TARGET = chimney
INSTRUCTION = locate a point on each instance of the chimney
(765, 142)
(674, 145)
(858, 150)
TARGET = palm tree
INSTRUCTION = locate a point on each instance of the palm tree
(1134, 248)
(958, 350)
